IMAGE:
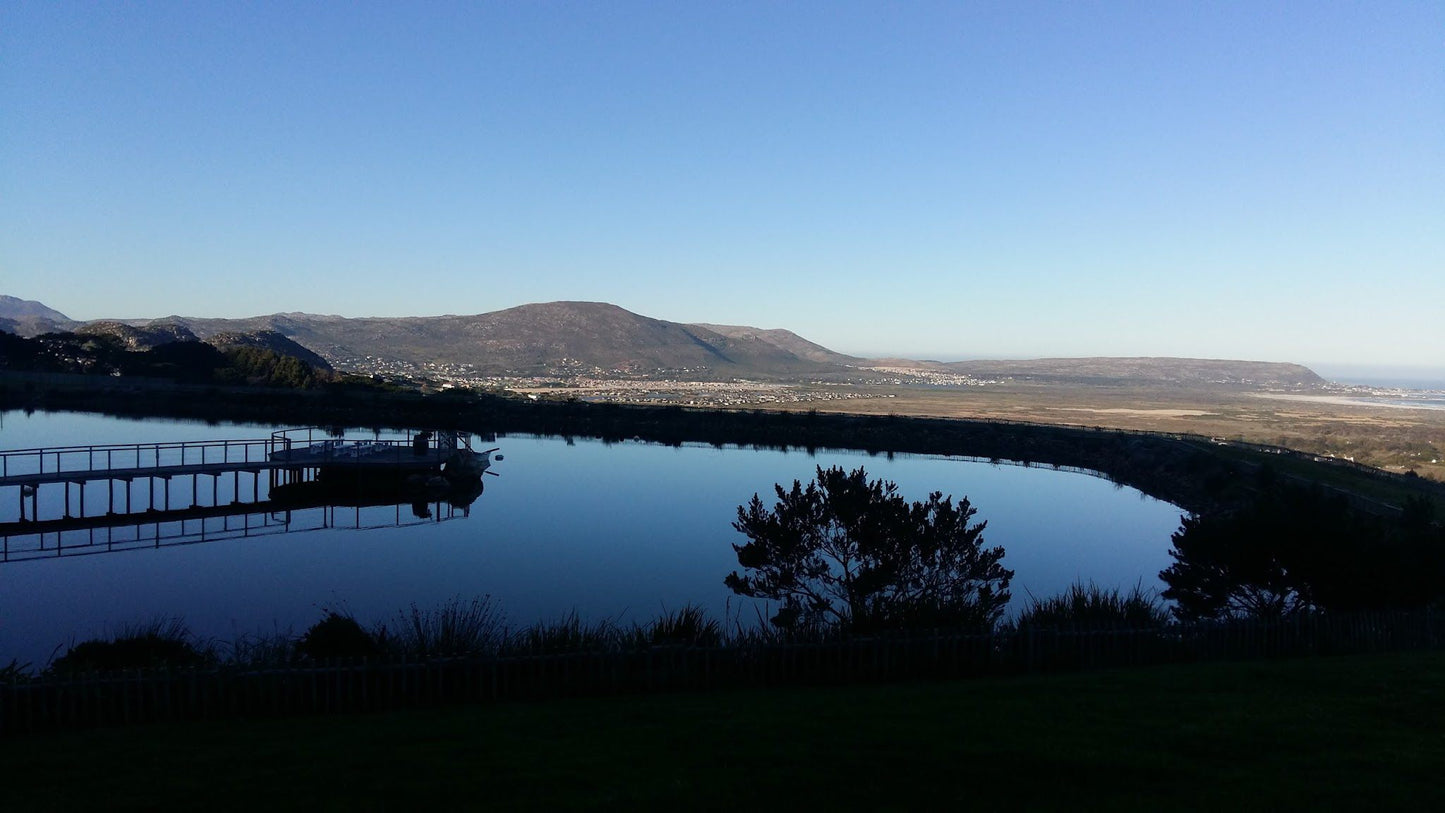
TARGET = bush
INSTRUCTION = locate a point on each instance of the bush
(336, 637)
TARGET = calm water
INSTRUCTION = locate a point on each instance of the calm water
(616, 531)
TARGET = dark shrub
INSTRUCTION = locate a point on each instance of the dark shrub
(159, 644)
(336, 637)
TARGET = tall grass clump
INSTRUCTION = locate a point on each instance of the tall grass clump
(1089, 606)
(259, 650)
(763, 632)
(156, 644)
(687, 626)
(565, 635)
(458, 627)
(15, 672)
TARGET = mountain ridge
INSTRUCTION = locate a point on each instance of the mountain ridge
(27, 317)
(566, 338)
(550, 338)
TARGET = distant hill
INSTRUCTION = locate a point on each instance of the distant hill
(26, 317)
(785, 340)
(1118, 371)
(548, 339)
(268, 340)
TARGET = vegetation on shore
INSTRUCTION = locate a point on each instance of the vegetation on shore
(478, 628)
(457, 628)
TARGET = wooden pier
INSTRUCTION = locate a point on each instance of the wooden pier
(158, 484)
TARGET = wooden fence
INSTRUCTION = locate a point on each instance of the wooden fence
(32, 705)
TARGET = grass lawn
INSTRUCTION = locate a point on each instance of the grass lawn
(1325, 733)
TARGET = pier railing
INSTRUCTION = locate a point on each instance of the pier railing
(131, 456)
(138, 458)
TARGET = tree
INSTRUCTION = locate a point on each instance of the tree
(1296, 550)
(1231, 566)
(853, 552)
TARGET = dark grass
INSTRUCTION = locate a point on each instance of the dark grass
(1326, 733)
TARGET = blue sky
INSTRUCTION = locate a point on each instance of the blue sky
(948, 180)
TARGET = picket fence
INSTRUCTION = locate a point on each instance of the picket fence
(30, 705)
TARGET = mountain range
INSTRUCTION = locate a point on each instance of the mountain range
(568, 338)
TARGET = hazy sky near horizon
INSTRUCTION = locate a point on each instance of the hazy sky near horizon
(934, 179)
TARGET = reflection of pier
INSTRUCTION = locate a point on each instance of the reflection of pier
(157, 494)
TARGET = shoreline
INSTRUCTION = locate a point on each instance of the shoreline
(1344, 400)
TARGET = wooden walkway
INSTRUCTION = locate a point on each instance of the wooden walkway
(286, 457)
(283, 461)
(89, 499)
(83, 464)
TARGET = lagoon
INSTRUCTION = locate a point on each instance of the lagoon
(616, 531)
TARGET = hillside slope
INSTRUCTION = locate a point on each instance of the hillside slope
(542, 339)
(785, 340)
(26, 317)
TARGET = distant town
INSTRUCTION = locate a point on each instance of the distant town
(679, 386)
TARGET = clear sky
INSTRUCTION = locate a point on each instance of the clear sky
(1251, 180)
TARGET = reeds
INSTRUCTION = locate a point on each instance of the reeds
(567, 634)
(1089, 606)
(157, 643)
(688, 625)
(458, 627)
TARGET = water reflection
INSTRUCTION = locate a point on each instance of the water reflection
(151, 494)
(307, 507)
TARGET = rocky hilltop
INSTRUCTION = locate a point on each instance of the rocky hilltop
(142, 337)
